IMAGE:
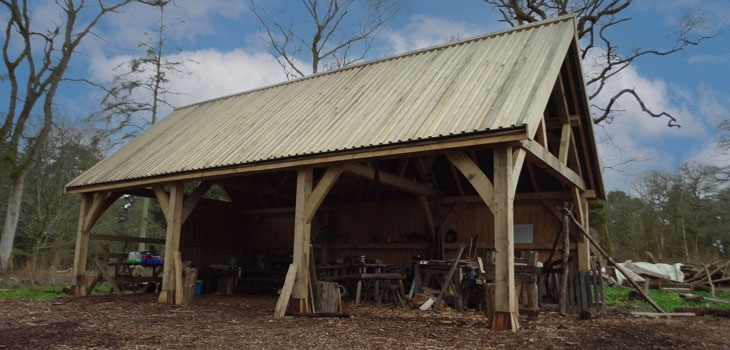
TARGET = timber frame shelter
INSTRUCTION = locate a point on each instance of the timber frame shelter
(498, 122)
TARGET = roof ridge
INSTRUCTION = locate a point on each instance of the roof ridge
(397, 56)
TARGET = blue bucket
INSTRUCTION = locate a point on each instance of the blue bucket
(198, 287)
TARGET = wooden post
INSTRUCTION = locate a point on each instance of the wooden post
(506, 312)
(82, 246)
(491, 303)
(173, 216)
(302, 232)
(179, 292)
(566, 252)
(92, 206)
(308, 200)
(583, 246)
(533, 297)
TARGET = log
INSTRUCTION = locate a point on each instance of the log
(320, 314)
(701, 278)
(709, 280)
(702, 311)
(663, 314)
(634, 295)
(326, 296)
(691, 297)
(189, 280)
(700, 298)
(590, 313)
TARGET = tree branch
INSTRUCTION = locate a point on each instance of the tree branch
(672, 122)
(595, 18)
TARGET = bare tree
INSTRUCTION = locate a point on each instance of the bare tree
(676, 215)
(140, 88)
(596, 19)
(723, 139)
(35, 63)
(341, 33)
(133, 100)
(46, 228)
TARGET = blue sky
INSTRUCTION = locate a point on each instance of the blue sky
(224, 54)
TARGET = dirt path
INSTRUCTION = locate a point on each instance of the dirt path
(245, 322)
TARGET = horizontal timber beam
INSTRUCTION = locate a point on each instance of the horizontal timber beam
(394, 150)
(390, 179)
(564, 195)
(102, 237)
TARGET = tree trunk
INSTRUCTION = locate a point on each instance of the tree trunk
(11, 222)
(684, 241)
(32, 265)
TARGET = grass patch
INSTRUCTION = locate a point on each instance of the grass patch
(617, 297)
(34, 293)
(667, 300)
(45, 292)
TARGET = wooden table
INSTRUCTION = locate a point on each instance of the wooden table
(123, 275)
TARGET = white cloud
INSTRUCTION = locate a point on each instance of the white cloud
(185, 21)
(218, 74)
(624, 157)
(634, 143)
(713, 106)
(424, 31)
(710, 155)
(198, 18)
(658, 97)
(207, 74)
(709, 58)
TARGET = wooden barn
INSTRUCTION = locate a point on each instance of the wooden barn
(418, 154)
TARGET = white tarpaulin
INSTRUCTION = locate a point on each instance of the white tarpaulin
(663, 271)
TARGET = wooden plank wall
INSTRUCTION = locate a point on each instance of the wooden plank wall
(379, 221)
(477, 220)
(214, 234)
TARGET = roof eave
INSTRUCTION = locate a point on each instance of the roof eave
(504, 135)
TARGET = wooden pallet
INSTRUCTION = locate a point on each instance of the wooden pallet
(585, 292)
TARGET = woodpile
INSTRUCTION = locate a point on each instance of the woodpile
(707, 276)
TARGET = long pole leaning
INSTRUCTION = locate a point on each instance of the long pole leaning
(621, 269)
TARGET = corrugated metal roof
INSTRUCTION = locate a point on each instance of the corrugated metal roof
(487, 83)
